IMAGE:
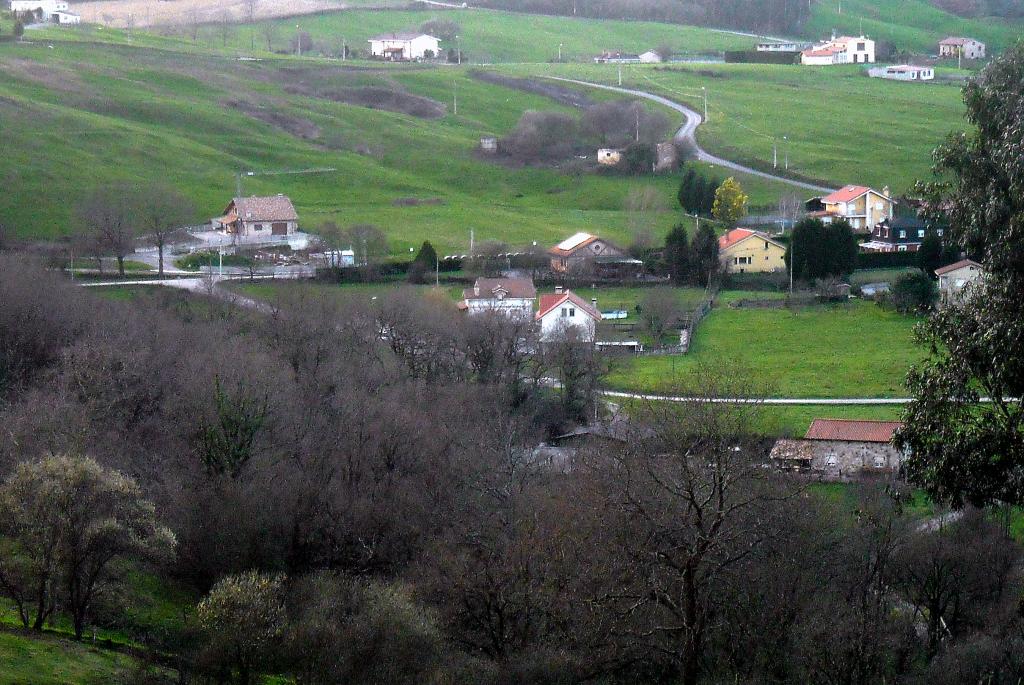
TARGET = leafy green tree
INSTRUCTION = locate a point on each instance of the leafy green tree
(66, 523)
(243, 618)
(730, 204)
(640, 158)
(227, 441)
(913, 293)
(821, 251)
(704, 255)
(677, 254)
(963, 449)
(840, 249)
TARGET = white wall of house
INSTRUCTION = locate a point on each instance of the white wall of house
(952, 283)
(972, 49)
(555, 323)
(266, 228)
(413, 48)
(520, 309)
(903, 73)
(48, 6)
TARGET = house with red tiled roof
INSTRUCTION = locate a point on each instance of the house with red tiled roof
(745, 251)
(841, 449)
(258, 217)
(863, 207)
(840, 50)
(564, 313)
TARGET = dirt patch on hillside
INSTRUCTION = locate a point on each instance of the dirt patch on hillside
(296, 126)
(52, 76)
(555, 91)
(122, 13)
(377, 97)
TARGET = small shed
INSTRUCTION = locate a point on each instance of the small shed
(489, 144)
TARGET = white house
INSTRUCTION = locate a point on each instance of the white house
(956, 46)
(955, 277)
(513, 297)
(65, 18)
(863, 207)
(650, 57)
(903, 72)
(566, 314)
(254, 218)
(404, 46)
(56, 11)
(842, 50)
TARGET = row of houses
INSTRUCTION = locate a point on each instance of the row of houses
(557, 312)
(53, 11)
(861, 50)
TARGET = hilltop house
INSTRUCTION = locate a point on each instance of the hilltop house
(56, 11)
(398, 47)
(841, 449)
(512, 297)
(745, 251)
(564, 313)
(860, 205)
(842, 50)
(953, 278)
(258, 218)
(903, 72)
(586, 253)
(956, 46)
(898, 234)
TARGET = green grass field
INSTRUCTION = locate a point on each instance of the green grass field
(48, 660)
(805, 113)
(852, 350)
(488, 37)
(908, 24)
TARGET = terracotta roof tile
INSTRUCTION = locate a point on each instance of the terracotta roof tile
(486, 288)
(269, 208)
(549, 301)
(849, 430)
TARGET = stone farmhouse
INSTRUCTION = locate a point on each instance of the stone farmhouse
(841, 449)
(956, 46)
(252, 219)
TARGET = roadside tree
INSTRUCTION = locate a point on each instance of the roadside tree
(730, 204)
(162, 212)
(109, 214)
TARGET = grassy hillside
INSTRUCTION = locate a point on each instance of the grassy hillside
(908, 24)
(83, 113)
(48, 660)
(487, 36)
(842, 126)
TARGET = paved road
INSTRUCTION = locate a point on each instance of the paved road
(687, 132)
(792, 401)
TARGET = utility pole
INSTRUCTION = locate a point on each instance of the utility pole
(298, 41)
(471, 243)
(785, 142)
(704, 90)
(775, 154)
(455, 97)
(620, 74)
(638, 123)
(344, 49)
(437, 271)
(559, 52)
(792, 262)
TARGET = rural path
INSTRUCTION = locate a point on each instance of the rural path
(792, 401)
(202, 286)
(687, 132)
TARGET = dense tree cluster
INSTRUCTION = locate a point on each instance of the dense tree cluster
(692, 262)
(817, 250)
(697, 192)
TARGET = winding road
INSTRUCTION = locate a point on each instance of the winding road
(687, 132)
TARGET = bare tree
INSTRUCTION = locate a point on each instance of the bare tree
(659, 309)
(269, 32)
(109, 213)
(790, 207)
(162, 212)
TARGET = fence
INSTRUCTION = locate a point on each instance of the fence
(702, 310)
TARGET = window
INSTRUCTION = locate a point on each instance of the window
(902, 248)
(565, 312)
(832, 461)
(572, 311)
(860, 46)
(879, 462)
(766, 244)
(920, 233)
(903, 234)
(939, 232)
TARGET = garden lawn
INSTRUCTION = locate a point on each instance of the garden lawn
(849, 350)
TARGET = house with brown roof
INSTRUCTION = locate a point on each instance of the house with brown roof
(841, 449)
(953, 278)
(744, 251)
(579, 253)
(863, 207)
(258, 218)
(958, 46)
(512, 297)
(563, 313)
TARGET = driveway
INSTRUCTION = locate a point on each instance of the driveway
(687, 133)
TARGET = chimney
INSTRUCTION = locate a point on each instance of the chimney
(886, 191)
(593, 301)
(558, 290)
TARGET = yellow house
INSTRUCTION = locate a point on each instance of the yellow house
(743, 251)
(860, 205)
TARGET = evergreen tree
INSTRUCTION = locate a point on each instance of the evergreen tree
(805, 254)
(704, 255)
(686, 188)
(929, 255)
(425, 262)
(700, 191)
(708, 196)
(677, 254)
(840, 250)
